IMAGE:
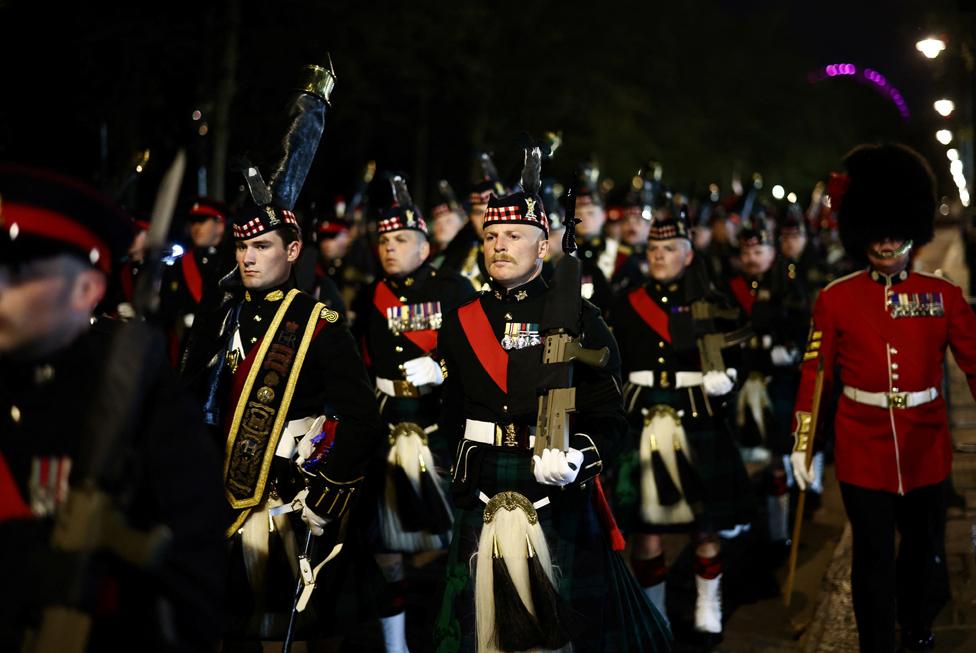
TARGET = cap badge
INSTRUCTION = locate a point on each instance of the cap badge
(530, 208)
(272, 218)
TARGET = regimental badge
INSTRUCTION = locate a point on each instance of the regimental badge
(410, 219)
(926, 304)
(272, 218)
(520, 295)
(329, 315)
(414, 317)
(530, 209)
(48, 486)
(519, 335)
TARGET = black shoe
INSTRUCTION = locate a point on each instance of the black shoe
(918, 640)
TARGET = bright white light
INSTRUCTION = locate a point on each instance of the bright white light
(779, 192)
(930, 47)
(964, 196)
(960, 182)
(944, 107)
(791, 198)
(196, 114)
(944, 136)
(956, 167)
(953, 154)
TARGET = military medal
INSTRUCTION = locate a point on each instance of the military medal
(519, 335)
(924, 304)
(414, 317)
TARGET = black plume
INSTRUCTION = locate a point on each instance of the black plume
(532, 171)
(447, 193)
(401, 194)
(488, 170)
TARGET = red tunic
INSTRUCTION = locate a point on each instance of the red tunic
(853, 330)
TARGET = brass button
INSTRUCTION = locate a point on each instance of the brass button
(755, 284)
(664, 299)
(894, 376)
(660, 360)
(403, 299)
(894, 366)
(660, 344)
(15, 414)
(399, 349)
(504, 409)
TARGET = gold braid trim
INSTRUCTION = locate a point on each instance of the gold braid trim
(802, 435)
(510, 501)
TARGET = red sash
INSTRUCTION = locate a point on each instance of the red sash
(191, 274)
(384, 298)
(651, 313)
(12, 505)
(742, 294)
(478, 330)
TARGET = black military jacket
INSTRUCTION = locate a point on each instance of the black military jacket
(171, 478)
(333, 380)
(427, 294)
(472, 392)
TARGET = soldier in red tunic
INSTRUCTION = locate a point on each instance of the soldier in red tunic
(886, 330)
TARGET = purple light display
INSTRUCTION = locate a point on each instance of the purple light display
(865, 76)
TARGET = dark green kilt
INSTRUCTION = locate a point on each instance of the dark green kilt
(613, 613)
(728, 497)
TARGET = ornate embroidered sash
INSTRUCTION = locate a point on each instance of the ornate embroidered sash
(262, 405)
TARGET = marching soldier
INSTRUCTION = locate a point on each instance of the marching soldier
(398, 321)
(332, 242)
(465, 253)
(59, 242)
(768, 358)
(597, 253)
(199, 268)
(447, 218)
(519, 516)
(887, 330)
(290, 397)
(686, 473)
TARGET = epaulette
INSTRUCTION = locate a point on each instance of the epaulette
(329, 315)
(846, 277)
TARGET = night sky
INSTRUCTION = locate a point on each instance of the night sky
(709, 88)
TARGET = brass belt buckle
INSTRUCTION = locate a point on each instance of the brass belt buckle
(506, 435)
(405, 389)
(898, 399)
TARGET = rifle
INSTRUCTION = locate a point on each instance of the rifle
(709, 343)
(802, 499)
(93, 517)
(561, 346)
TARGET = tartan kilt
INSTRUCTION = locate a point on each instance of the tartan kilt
(613, 613)
(728, 496)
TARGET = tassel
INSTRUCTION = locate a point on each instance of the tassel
(410, 508)
(439, 519)
(519, 630)
(668, 493)
(550, 610)
(690, 481)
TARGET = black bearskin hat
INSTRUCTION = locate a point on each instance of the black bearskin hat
(891, 195)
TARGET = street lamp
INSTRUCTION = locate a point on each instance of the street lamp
(944, 107)
(953, 154)
(779, 192)
(944, 136)
(930, 47)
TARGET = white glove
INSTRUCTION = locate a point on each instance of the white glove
(423, 371)
(557, 467)
(781, 356)
(801, 473)
(717, 383)
(305, 445)
(315, 523)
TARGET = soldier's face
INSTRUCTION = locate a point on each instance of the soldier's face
(667, 259)
(635, 230)
(885, 255)
(514, 253)
(446, 226)
(791, 244)
(591, 218)
(46, 303)
(207, 233)
(334, 247)
(402, 251)
(756, 259)
(265, 261)
(477, 217)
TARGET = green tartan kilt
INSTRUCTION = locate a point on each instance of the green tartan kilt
(728, 497)
(613, 613)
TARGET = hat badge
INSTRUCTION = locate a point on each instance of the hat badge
(272, 218)
(530, 208)
(410, 220)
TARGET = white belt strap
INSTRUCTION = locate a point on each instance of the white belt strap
(385, 386)
(484, 432)
(681, 379)
(891, 399)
